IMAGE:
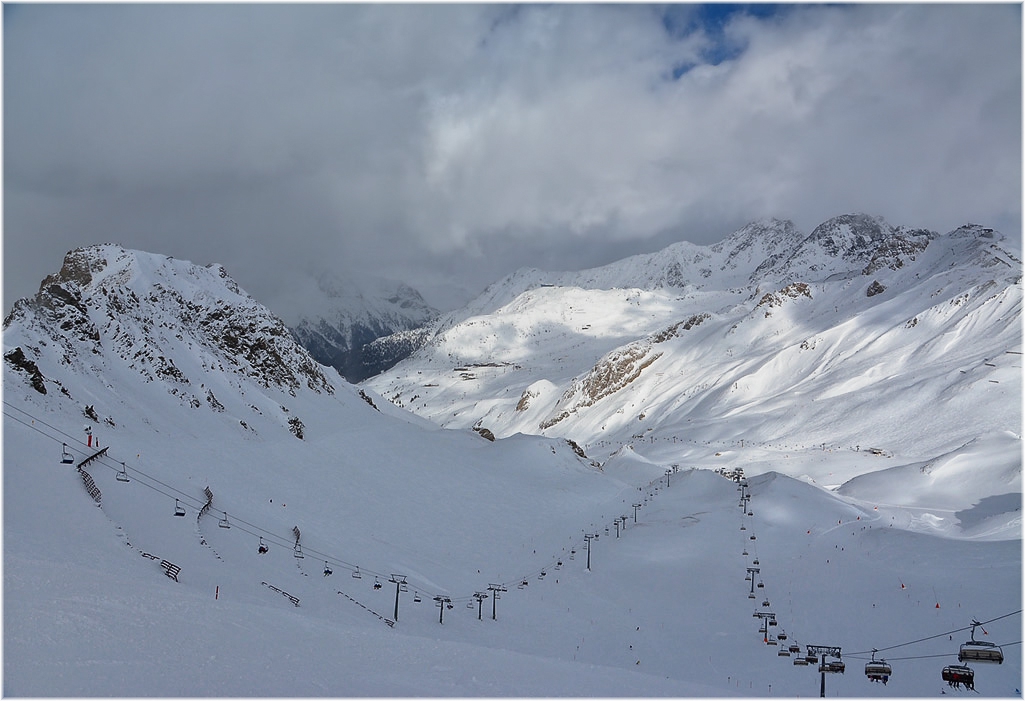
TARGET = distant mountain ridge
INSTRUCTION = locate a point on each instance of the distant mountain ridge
(764, 252)
(341, 335)
(589, 353)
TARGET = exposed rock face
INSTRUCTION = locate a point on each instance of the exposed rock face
(345, 336)
(171, 322)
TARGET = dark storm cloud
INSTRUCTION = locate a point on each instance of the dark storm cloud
(447, 145)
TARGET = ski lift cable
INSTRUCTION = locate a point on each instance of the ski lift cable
(918, 657)
(938, 635)
(74, 439)
(33, 427)
(141, 477)
(103, 459)
(116, 466)
(107, 461)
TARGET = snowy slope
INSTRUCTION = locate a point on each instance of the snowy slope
(767, 337)
(663, 610)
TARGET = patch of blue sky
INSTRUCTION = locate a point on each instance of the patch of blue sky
(711, 19)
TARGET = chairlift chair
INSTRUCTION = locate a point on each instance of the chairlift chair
(878, 670)
(755, 562)
(66, 457)
(979, 650)
(812, 658)
(761, 585)
(751, 595)
(416, 597)
(469, 604)
(782, 635)
(179, 510)
(959, 674)
(800, 662)
(122, 476)
(795, 648)
(377, 583)
(753, 538)
(783, 652)
(327, 569)
(262, 548)
(223, 523)
(297, 550)
(356, 574)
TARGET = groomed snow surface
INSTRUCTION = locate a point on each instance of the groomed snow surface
(663, 611)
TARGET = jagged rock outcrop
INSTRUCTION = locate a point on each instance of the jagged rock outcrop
(110, 310)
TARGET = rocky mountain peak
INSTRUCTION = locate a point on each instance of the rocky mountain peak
(170, 321)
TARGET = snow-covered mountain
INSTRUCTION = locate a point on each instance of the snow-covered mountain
(763, 337)
(338, 327)
(406, 560)
(129, 318)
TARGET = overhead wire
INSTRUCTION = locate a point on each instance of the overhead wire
(148, 481)
(938, 635)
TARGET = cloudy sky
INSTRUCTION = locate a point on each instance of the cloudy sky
(448, 145)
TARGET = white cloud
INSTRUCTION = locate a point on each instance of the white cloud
(276, 138)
